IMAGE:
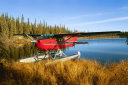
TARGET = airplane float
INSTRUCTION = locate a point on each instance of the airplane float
(49, 42)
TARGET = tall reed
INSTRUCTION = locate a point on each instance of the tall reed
(80, 72)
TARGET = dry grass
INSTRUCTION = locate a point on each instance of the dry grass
(99, 37)
(18, 41)
(80, 72)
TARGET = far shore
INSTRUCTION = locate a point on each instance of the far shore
(19, 41)
(99, 37)
(23, 40)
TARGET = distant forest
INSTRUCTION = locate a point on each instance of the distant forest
(9, 26)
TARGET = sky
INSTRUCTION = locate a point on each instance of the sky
(81, 15)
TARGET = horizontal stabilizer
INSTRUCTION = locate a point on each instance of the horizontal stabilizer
(77, 42)
(81, 42)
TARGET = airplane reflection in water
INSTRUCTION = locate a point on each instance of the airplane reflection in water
(57, 42)
(127, 40)
(28, 50)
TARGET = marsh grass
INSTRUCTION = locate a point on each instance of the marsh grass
(80, 72)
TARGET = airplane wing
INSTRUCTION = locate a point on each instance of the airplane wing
(30, 34)
(81, 34)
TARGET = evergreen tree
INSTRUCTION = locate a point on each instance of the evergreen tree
(22, 19)
(39, 28)
(34, 27)
(17, 25)
(21, 25)
(25, 29)
(4, 26)
(28, 26)
(13, 27)
(43, 29)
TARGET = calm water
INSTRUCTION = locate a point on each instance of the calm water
(102, 50)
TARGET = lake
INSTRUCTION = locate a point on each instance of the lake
(102, 50)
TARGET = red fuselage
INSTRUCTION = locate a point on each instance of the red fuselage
(54, 44)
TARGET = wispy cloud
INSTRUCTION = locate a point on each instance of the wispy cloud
(100, 21)
(124, 8)
(84, 16)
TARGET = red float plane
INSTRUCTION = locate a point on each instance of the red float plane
(59, 41)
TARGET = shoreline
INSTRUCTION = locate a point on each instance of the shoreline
(99, 37)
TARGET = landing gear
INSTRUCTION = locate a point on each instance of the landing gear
(50, 55)
(59, 53)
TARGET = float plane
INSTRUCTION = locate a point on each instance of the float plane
(47, 42)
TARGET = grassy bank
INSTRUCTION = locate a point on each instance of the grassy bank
(18, 41)
(99, 37)
(82, 72)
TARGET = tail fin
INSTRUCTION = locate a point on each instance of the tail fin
(76, 31)
(72, 39)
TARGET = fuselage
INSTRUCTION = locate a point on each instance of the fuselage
(54, 44)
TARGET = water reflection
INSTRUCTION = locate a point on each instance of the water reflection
(127, 40)
(102, 50)
(3, 50)
(17, 51)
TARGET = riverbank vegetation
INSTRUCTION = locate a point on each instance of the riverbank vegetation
(100, 36)
(79, 72)
(122, 35)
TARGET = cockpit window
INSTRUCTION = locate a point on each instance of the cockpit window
(59, 39)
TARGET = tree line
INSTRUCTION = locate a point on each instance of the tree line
(9, 26)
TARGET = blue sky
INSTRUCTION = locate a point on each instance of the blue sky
(81, 15)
